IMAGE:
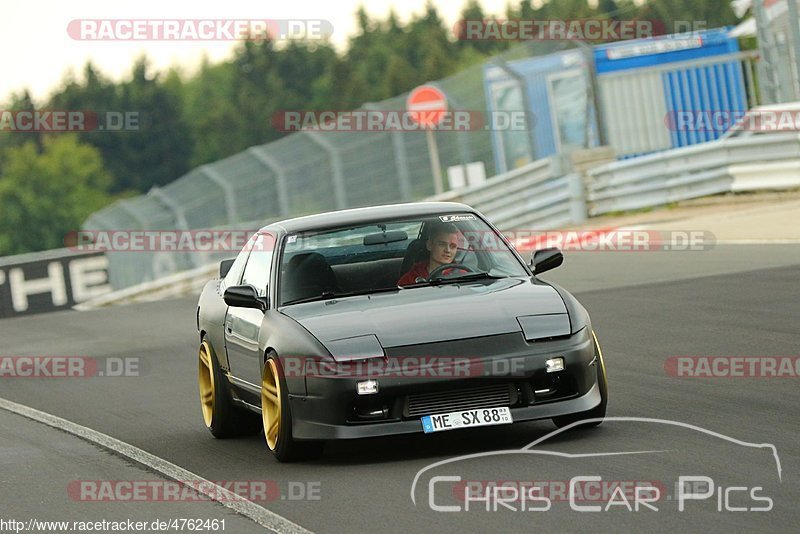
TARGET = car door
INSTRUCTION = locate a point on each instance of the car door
(242, 325)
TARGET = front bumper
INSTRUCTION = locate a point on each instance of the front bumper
(333, 410)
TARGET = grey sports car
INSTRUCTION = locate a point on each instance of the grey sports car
(410, 318)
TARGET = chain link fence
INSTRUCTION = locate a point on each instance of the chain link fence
(302, 173)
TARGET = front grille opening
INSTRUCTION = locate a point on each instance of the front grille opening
(492, 396)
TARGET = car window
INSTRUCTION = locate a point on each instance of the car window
(374, 257)
(259, 264)
(235, 272)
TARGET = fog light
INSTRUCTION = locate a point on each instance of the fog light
(554, 365)
(367, 387)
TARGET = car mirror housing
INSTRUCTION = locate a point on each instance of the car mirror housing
(546, 259)
(244, 297)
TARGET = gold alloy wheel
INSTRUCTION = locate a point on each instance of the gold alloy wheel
(206, 381)
(271, 403)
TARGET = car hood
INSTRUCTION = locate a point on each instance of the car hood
(428, 314)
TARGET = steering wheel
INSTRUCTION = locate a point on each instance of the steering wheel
(437, 272)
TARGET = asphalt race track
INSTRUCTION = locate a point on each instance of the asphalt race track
(722, 303)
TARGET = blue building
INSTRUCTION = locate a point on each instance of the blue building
(555, 90)
(628, 94)
(647, 86)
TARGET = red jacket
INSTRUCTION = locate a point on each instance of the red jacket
(419, 269)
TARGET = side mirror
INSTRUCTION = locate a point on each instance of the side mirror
(244, 297)
(225, 267)
(546, 259)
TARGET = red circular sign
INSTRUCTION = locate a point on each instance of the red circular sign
(426, 105)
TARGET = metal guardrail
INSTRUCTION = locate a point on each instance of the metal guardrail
(307, 172)
(537, 195)
(180, 284)
(750, 176)
(540, 196)
(694, 171)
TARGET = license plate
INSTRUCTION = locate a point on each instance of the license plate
(466, 419)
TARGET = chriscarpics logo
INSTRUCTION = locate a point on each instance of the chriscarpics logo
(627, 470)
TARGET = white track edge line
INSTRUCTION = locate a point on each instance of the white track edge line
(214, 492)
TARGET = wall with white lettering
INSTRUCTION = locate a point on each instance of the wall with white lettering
(51, 280)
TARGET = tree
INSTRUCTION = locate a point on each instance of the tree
(430, 48)
(258, 92)
(210, 112)
(709, 14)
(473, 12)
(94, 94)
(19, 102)
(298, 64)
(608, 8)
(44, 195)
(158, 152)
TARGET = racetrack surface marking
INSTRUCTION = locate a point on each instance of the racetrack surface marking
(214, 492)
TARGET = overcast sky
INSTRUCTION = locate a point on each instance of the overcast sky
(37, 50)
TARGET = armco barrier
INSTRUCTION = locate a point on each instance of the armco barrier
(536, 196)
(308, 172)
(50, 280)
(539, 196)
(180, 284)
(133, 268)
(758, 161)
(750, 176)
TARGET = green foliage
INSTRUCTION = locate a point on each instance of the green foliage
(155, 154)
(159, 151)
(44, 195)
(681, 15)
(223, 108)
(226, 107)
(210, 112)
(20, 102)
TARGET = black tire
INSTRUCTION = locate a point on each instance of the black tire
(599, 411)
(286, 448)
(227, 420)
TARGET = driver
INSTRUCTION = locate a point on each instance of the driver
(442, 245)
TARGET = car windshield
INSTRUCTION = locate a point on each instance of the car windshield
(391, 255)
